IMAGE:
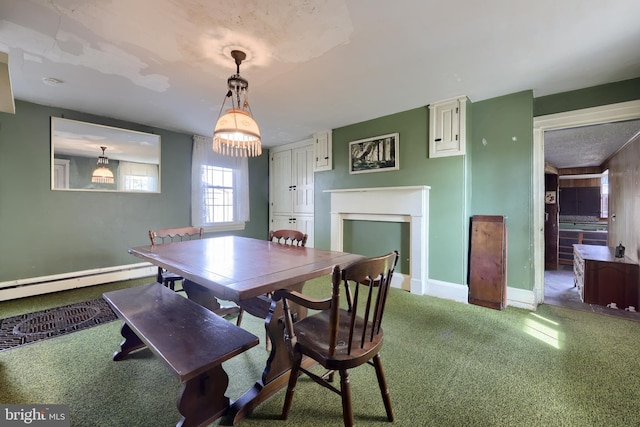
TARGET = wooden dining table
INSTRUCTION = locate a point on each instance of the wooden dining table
(246, 271)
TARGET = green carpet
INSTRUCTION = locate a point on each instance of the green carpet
(447, 364)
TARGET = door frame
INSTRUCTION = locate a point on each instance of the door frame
(588, 116)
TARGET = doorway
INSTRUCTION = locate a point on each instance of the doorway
(589, 116)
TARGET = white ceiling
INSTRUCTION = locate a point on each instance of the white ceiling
(588, 145)
(312, 65)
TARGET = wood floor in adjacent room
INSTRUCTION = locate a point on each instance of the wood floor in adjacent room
(559, 290)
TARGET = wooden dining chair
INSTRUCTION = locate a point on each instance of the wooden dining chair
(343, 334)
(169, 279)
(285, 237)
(168, 235)
(288, 237)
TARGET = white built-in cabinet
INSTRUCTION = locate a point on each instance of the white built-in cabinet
(447, 127)
(291, 188)
(323, 151)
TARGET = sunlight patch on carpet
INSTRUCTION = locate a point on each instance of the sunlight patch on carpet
(546, 333)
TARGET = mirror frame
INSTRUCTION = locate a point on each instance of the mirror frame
(76, 145)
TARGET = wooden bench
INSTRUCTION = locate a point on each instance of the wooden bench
(191, 341)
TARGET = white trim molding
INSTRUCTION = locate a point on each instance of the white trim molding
(569, 119)
(520, 298)
(21, 288)
(400, 204)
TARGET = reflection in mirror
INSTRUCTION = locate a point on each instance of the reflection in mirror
(92, 157)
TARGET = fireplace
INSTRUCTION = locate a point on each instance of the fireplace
(394, 204)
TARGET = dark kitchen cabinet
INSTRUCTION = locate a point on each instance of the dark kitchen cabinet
(580, 201)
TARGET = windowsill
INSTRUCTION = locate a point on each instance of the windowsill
(227, 226)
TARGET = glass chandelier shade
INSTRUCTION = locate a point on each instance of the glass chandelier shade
(236, 133)
(102, 174)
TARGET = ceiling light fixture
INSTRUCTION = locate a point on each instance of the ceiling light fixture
(102, 174)
(236, 133)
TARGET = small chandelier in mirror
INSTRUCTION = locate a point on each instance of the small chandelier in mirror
(102, 174)
(236, 133)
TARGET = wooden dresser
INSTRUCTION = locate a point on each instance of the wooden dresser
(601, 278)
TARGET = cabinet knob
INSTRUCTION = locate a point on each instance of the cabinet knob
(438, 139)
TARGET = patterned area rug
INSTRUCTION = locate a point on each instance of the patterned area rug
(27, 328)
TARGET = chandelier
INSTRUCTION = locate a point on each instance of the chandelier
(102, 174)
(236, 133)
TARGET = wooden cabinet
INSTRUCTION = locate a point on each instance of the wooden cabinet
(323, 151)
(584, 201)
(447, 127)
(488, 261)
(601, 278)
(568, 238)
(291, 188)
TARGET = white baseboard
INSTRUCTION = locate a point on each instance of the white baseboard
(520, 298)
(21, 288)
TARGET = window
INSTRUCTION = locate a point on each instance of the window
(604, 195)
(218, 194)
(137, 176)
(220, 188)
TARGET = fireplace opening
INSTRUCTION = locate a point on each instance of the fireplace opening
(375, 238)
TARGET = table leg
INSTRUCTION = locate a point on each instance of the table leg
(201, 295)
(276, 372)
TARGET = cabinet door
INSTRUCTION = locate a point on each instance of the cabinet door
(323, 161)
(588, 201)
(304, 223)
(568, 201)
(282, 222)
(302, 177)
(281, 185)
(447, 128)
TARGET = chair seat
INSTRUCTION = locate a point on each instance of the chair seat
(312, 333)
(167, 275)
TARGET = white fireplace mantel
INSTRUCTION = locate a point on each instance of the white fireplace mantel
(393, 204)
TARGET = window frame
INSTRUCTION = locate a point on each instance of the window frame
(203, 155)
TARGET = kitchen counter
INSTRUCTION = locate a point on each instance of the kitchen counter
(583, 226)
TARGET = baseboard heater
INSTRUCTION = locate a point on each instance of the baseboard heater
(21, 288)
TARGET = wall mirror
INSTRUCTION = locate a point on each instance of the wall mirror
(90, 157)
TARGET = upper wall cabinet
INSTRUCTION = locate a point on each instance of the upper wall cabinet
(447, 127)
(322, 151)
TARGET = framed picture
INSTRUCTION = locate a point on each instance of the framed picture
(377, 154)
(550, 197)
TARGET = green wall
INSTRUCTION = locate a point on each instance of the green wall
(445, 176)
(47, 232)
(502, 170)
(612, 93)
(491, 179)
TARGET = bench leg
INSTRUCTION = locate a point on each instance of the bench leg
(202, 398)
(130, 343)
